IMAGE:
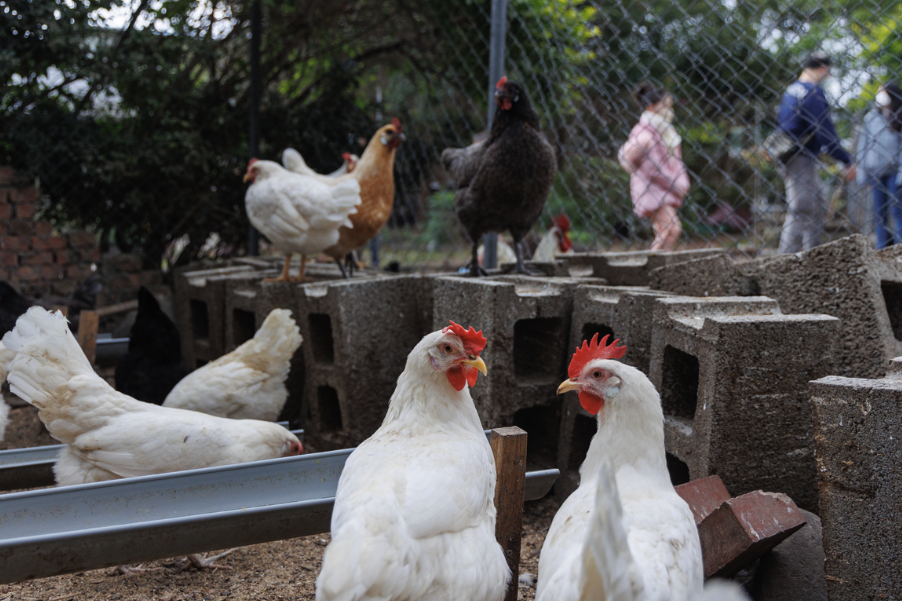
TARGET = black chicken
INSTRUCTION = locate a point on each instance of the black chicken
(154, 364)
(13, 304)
(503, 182)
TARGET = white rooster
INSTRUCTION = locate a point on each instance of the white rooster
(6, 356)
(111, 435)
(294, 162)
(414, 516)
(249, 382)
(648, 552)
(556, 241)
(298, 213)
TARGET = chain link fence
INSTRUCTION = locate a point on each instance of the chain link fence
(133, 116)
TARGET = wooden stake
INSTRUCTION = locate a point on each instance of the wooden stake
(87, 334)
(62, 309)
(509, 449)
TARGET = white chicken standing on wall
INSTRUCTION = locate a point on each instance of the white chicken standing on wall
(249, 382)
(648, 552)
(414, 516)
(111, 435)
(298, 213)
(294, 162)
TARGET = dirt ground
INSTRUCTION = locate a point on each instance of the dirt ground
(280, 570)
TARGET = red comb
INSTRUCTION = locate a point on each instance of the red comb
(251, 162)
(346, 156)
(594, 350)
(397, 123)
(562, 223)
(473, 341)
(501, 82)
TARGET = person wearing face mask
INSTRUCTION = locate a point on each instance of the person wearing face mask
(805, 117)
(653, 158)
(878, 161)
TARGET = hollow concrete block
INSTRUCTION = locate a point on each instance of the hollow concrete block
(857, 432)
(630, 268)
(733, 376)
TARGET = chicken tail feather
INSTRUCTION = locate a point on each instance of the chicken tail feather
(277, 340)
(610, 571)
(47, 356)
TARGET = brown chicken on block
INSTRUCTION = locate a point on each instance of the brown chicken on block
(374, 172)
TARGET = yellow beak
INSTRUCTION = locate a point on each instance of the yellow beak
(247, 176)
(478, 363)
(568, 385)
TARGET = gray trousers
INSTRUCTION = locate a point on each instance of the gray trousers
(804, 225)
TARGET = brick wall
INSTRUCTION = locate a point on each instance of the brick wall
(35, 257)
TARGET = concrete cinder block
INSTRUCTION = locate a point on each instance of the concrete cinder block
(527, 323)
(200, 293)
(857, 431)
(733, 376)
(715, 275)
(794, 569)
(629, 268)
(743, 529)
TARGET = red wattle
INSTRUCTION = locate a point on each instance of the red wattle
(457, 377)
(506, 104)
(472, 374)
(591, 403)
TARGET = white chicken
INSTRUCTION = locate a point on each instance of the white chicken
(298, 213)
(6, 356)
(648, 552)
(249, 382)
(556, 241)
(111, 435)
(294, 162)
(414, 516)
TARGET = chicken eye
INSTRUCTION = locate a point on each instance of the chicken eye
(596, 374)
(448, 349)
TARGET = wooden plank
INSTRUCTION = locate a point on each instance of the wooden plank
(125, 307)
(509, 449)
(87, 333)
(62, 309)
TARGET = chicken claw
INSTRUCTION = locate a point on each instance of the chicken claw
(131, 571)
(201, 562)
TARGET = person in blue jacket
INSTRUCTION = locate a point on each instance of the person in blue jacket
(877, 156)
(805, 117)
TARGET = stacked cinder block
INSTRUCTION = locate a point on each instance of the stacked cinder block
(733, 376)
(846, 279)
(33, 256)
(527, 323)
(858, 440)
(629, 268)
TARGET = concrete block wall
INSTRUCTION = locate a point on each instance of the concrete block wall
(629, 268)
(858, 442)
(733, 376)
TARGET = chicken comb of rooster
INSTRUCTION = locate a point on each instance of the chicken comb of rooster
(501, 82)
(473, 341)
(562, 222)
(590, 351)
(346, 156)
(397, 123)
(252, 161)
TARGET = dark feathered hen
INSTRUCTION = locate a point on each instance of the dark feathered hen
(503, 182)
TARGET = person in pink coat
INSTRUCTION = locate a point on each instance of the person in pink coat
(654, 160)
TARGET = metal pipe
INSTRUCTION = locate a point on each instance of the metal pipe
(496, 70)
(253, 240)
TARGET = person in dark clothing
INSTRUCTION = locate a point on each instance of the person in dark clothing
(805, 117)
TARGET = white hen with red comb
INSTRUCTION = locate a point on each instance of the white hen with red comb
(414, 516)
(624, 534)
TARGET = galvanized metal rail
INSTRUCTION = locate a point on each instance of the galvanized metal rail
(74, 528)
(33, 467)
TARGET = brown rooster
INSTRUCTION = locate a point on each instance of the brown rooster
(503, 182)
(374, 172)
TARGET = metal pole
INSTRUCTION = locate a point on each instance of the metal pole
(253, 241)
(496, 70)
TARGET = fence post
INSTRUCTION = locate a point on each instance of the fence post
(496, 70)
(88, 322)
(509, 449)
(253, 240)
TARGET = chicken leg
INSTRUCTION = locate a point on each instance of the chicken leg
(520, 268)
(475, 269)
(284, 276)
(200, 562)
(341, 266)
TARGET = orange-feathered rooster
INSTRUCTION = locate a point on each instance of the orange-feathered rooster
(374, 172)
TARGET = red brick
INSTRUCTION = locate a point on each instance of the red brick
(9, 259)
(91, 255)
(51, 243)
(43, 228)
(38, 258)
(743, 529)
(26, 273)
(65, 257)
(14, 243)
(82, 239)
(6, 211)
(24, 195)
(8, 176)
(26, 211)
(703, 496)
(20, 227)
(78, 271)
(51, 272)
